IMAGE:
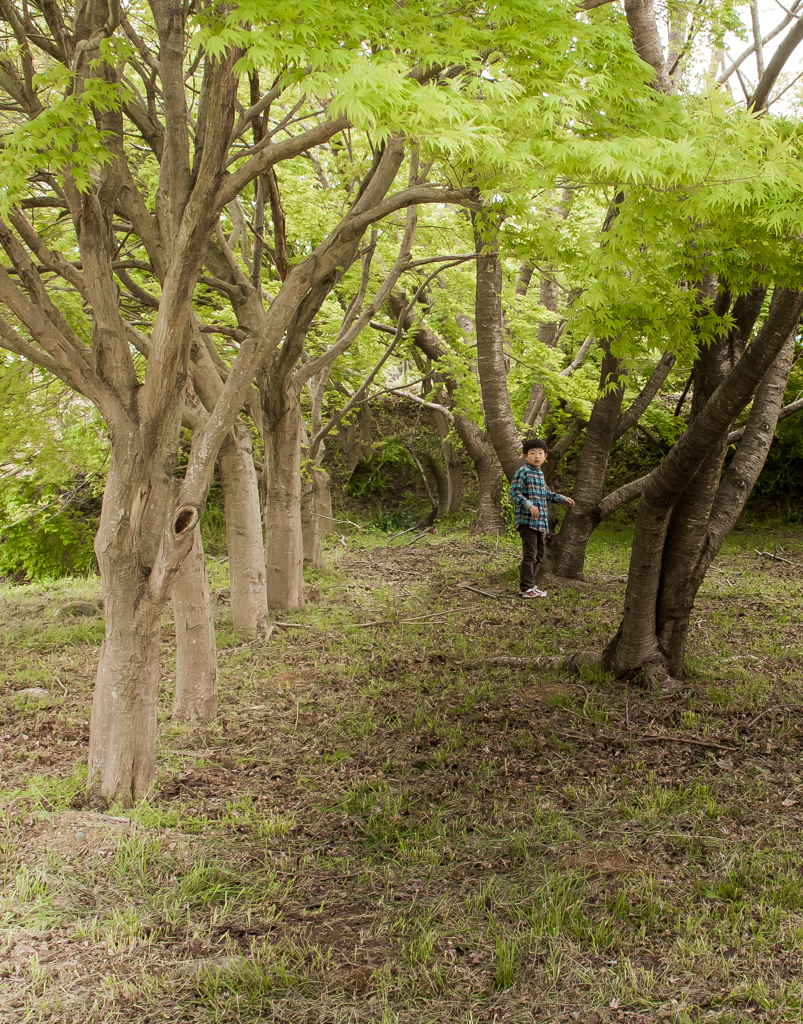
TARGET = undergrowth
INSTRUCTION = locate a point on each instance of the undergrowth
(384, 825)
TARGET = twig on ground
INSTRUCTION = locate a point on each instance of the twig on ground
(432, 615)
(648, 737)
(578, 715)
(398, 622)
(395, 535)
(766, 711)
(485, 593)
(348, 521)
(290, 625)
(774, 557)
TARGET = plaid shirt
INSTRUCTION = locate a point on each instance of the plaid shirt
(527, 489)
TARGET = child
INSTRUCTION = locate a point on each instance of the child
(529, 495)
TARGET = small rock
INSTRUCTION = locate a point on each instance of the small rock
(33, 691)
(74, 608)
(80, 835)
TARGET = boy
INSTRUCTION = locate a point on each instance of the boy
(529, 495)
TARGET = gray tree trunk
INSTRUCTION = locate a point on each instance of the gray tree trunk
(316, 503)
(284, 541)
(653, 631)
(491, 363)
(453, 496)
(196, 698)
(490, 478)
(247, 581)
(568, 550)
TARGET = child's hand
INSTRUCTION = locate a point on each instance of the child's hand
(569, 502)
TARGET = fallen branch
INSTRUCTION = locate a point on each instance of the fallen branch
(398, 622)
(577, 714)
(543, 663)
(420, 535)
(766, 711)
(348, 521)
(649, 737)
(774, 557)
(485, 593)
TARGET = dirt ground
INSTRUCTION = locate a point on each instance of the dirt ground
(398, 817)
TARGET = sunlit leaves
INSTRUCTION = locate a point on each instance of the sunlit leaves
(64, 135)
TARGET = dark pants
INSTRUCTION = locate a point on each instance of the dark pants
(532, 555)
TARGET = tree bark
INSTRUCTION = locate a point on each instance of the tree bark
(490, 478)
(122, 743)
(647, 41)
(637, 643)
(284, 541)
(567, 552)
(196, 698)
(316, 501)
(686, 538)
(452, 498)
(247, 581)
(441, 481)
(491, 365)
(684, 570)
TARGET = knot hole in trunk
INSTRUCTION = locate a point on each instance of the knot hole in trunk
(185, 519)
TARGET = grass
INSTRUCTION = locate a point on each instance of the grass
(383, 827)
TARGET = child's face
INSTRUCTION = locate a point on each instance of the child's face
(535, 457)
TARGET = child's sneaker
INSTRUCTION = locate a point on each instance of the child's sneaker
(532, 592)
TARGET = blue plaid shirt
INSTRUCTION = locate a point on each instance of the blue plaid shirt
(527, 489)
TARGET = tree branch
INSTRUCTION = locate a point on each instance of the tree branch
(621, 496)
(784, 51)
(785, 413)
(273, 153)
(633, 414)
(790, 16)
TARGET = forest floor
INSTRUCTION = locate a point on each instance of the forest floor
(384, 825)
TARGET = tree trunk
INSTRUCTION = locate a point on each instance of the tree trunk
(490, 478)
(134, 553)
(249, 595)
(316, 501)
(196, 655)
(686, 537)
(284, 541)
(122, 739)
(441, 482)
(683, 578)
(567, 552)
(499, 423)
(654, 625)
(355, 436)
(323, 502)
(453, 497)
